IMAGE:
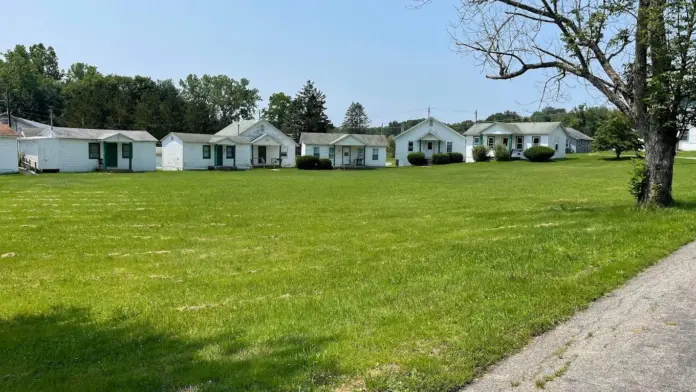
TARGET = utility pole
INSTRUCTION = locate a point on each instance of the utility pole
(475, 116)
(428, 111)
(51, 110)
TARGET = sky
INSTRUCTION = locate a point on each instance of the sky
(395, 60)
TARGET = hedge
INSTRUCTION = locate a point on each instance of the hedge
(501, 153)
(307, 162)
(417, 159)
(441, 159)
(480, 153)
(456, 157)
(325, 164)
(539, 153)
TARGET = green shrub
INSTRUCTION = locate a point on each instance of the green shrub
(441, 159)
(307, 162)
(456, 157)
(639, 178)
(539, 153)
(480, 153)
(501, 153)
(325, 164)
(417, 158)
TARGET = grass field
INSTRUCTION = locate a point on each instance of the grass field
(395, 279)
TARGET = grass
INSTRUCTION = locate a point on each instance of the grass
(411, 278)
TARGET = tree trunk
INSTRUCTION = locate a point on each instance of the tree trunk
(618, 153)
(660, 151)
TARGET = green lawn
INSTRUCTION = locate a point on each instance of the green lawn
(409, 278)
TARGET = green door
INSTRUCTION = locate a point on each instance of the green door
(111, 152)
(218, 155)
(262, 154)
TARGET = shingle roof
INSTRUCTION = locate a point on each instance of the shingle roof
(327, 138)
(31, 132)
(236, 128)
(205, 138)
(7, 131)
(575, 134)
(519, 128)
(98, 134)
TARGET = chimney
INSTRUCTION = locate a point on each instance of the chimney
(237, 129)
(402, 128)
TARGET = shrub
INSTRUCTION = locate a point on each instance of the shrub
(456, 157)
(639, 178)
(307, 162)
(501, 153)
(480, 153)
(441, 159)
(325, 164)
(417, 158)
(539, 153)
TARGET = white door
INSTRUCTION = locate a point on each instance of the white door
(346, 156)
(428, 148)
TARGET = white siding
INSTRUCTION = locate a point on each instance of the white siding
(443, 132)
(193, 156)
(557, 136)
(8, 155)
(172, 153)
(144, 157)
(308, 149)
(690, 143)
(268, 128)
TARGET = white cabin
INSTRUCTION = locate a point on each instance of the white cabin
(195, 151)
(8, 150)
(688, 140)
(429, 137)
(346, 150)
(517, 137)
(269, 146)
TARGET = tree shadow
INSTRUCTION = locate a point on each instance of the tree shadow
(66, 349)
(620, 159)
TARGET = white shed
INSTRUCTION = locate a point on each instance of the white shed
(346, 150)
(517, 137)
(430, 137)
(269, 146)
(688, 140)
(8, 150)
(195, 151)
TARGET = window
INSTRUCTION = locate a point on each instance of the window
(556, 146)
(283, 151)
(410, 146)
(567, 143)
(230, 152)
(505, 141)
(520, 143)
(449, 146)
(316, 152)
(375, 154)
(491, 141)
(476, 141)
(332, 152)
(94, 151)
(430, 145)
(126, 151)
(536, 140)
(262, 128)
(361, 152)
(206, 152)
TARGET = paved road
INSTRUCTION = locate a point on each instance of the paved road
(642, 337)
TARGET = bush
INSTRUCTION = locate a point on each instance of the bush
(441, 159)
(307, 162)
(539, 153)
(325, 164)
(417, 158)
(501, 153)
(480, 153)
(456, 157)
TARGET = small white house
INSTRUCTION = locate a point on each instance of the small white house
(269, 146)
(688, 140)
(430, 137)
(346, 150)
(517, 137)
(195, 151)
(8, 150)
(577, 141)
(82, 150)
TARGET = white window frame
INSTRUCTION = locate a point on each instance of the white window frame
(506, 141)
(449, 147)
(315, 151)
(410, 146)
(375, 154)
(490, 142)
(332, 152)
(538, 143)
(519, 142)
(476, 140)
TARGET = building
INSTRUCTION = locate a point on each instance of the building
(269, 146)
(577, 141)
(346, 150)
(688, 140)
(195, 151)
(429, 137)
(517, 137)
(8, 150)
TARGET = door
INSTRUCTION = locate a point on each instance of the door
(262, 154)
(346, 156)
(428, 149)
(218, 155)
(111, 152)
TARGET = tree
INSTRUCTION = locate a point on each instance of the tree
(640, 54)
(462, 126)
(277, 110)
(616, 135)
(307, 113)
(587, 119)
(356, 120)
(506, 116)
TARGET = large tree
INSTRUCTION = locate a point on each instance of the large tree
(617, 135)
(640, 54)
(307, 113)
(277, 110)
(356, 119)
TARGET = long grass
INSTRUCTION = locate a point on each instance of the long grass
(401, 279)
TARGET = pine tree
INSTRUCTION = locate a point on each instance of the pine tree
(307, 113)
(356, 120)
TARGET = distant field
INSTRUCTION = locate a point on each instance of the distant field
(409, 278)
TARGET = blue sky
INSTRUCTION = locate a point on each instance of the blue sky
(395, 60)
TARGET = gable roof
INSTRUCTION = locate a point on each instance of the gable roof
(206, 139)
(423, 122)
(6, 131)
(575, 134)
(326, 139)
(518, 128)
(99, 134)
(237, 127)
(31, 132)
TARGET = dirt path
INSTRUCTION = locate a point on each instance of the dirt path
(642, 337)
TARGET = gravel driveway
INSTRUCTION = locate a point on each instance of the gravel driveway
(641, 337)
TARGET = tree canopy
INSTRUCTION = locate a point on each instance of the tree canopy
(356, 120)
(616, 135)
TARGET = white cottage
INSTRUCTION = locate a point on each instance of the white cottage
(346, 150)
(517, 137)
(430, 137)
(688, 140)
(269, 146)
(194, 151)
(577, 141)
(8, 150)
(82, 150)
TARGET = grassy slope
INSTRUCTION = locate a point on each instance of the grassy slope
(413, 278)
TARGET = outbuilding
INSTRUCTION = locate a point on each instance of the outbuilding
(346, 150)
(429, 137)
(195, 151)
(8, 150)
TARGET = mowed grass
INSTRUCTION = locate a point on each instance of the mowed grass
(394, 279)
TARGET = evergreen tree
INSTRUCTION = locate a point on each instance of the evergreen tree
(356, 120)
(307, 113)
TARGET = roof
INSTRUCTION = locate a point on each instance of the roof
(575, 134)
(31, 132)
(518, 128)
(237, 127)
(205, 138)
(7, 131)
(329, 138)
(423, 122)
(98, 134)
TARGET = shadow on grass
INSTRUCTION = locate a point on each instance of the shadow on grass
(65, 349)
(615, 159)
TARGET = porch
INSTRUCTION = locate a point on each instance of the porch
(116, 154)
(266, 152)
(514, 143)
